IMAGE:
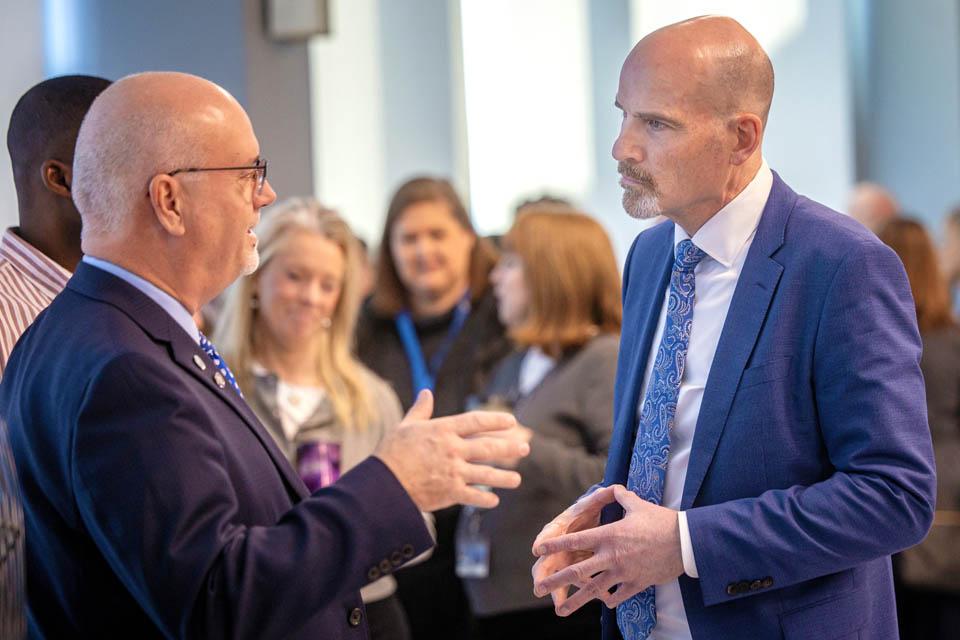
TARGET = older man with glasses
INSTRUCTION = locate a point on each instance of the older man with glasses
(156, 503)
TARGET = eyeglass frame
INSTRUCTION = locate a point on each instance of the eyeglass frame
(261, 168)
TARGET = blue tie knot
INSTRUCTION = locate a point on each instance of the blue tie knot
(689, 256)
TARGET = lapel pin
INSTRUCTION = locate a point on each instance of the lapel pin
(197, 360)
(219, 379)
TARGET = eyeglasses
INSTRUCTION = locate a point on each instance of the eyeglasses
(259, 169)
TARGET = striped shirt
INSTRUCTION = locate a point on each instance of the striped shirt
(29, 281)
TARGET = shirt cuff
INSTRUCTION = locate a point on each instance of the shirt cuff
(686, 547)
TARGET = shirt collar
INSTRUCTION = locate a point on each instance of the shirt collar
(167, 302)
(31, 261)
(727, 231)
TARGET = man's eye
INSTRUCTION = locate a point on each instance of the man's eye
(656, 125)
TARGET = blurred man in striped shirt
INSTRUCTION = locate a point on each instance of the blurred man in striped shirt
(36, 260)
(37, 257)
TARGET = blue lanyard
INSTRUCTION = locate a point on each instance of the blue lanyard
(424, 374)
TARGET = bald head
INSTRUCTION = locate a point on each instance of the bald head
(727, 70)
(143, 125)
(872, 206)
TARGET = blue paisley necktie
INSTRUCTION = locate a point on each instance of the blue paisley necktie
(219, 363)
(648, 465)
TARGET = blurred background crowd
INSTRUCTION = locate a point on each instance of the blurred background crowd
(456, 226)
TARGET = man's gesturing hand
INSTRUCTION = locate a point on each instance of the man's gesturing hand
(631, 554)
(437, 461)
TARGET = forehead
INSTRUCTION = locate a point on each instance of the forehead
(664, 81)
(227, 134)
(428, 213)
(310, 248)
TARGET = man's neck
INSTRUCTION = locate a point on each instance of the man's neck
(51, 244)
(738, 181)
(138, 267)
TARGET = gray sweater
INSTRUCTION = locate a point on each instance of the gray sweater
(571, 415)
(935, 562)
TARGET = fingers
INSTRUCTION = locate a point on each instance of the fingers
(579, 541)
(625, 591)
(422, 408)
(542, 568)
(476, 422)
(597, 588)
(490, 476)
(552, 529)
(497, 451)
(474, 497)
(627, 499)
(574, 575)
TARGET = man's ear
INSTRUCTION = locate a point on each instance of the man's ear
(748, 128)
(168, 201)
(56, 177)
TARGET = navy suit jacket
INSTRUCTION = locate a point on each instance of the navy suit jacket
(811, 462)
(157, 505)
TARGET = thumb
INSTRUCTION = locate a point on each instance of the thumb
(627, 499)
(422, 408)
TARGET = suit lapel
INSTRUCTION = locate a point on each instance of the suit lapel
(748, 310)
(157, 323)
(185, 352)
(645, 287)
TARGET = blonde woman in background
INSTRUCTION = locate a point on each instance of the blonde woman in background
(287, 332)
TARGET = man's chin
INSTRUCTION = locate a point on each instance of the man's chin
(640, 207)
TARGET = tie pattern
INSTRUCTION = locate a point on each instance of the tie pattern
(648, 463)
(219, 363)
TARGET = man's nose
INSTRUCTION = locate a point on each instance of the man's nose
(627, 147)
(267, 196)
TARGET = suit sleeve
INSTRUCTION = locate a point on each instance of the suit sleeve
(153, 489)
(872, 417)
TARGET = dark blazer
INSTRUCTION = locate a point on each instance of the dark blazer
(156, 503)
(811, 462)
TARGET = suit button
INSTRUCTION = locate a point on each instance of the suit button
(373, 574)
(396, 558)
(756, 584)
(732, 589)
(407, 551)
(767, 582)
(385, 566)
(356, 615)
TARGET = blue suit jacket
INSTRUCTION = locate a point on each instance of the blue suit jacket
(811, 462)
(158, 506)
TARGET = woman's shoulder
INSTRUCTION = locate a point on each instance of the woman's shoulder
(381, 392)
(602, 347)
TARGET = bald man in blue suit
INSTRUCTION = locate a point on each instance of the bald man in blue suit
(771, 447)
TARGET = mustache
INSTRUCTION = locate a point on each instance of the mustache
(629, 171)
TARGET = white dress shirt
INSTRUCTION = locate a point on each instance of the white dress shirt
(726, 239)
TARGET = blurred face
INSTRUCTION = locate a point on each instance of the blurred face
(670, 151)
(510, 289)
(299, 288)
(431, 251)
